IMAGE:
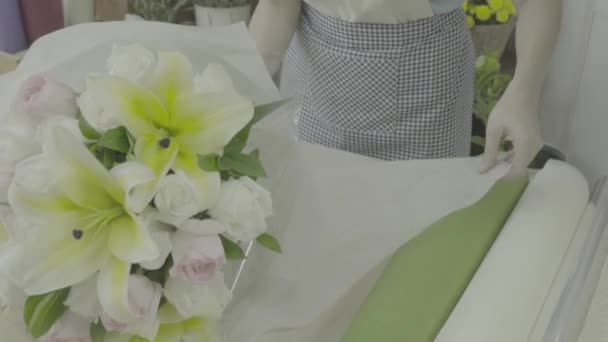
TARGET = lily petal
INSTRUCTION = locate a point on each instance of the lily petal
(168, 315)
(206, 123)
(149, 152)
(79, 174)
(171, 77)
(131, 241)
(52, 259)
(113, 290)
(135, 178)
(42, 208)
(170, 333)
(200, 329)
(135, 106)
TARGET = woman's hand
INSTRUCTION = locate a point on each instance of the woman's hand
(514, 119)
(515, 116)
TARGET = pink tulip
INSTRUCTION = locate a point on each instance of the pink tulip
(196, 258)
(144, 298)
(40, 96)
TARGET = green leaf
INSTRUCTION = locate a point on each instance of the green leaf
(30, 307)
(242, 164)
(209, 163)
(232, 249)
(41, 312)
(270, 242)
(237, 144)
(98, 332)
(87, 130)
(264, 110)
(477, 140)
(116, 139)
(109, 158)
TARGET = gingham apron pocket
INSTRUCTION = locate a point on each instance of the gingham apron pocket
(354, 91)
(432, 80)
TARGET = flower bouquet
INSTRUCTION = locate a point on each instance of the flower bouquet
(124, 202)
(491, 23)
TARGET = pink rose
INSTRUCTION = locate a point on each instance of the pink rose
(69, 328)
(41, 96)
(196, 258)
(144, 299)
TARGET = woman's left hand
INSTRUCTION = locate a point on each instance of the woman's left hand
(513, 119)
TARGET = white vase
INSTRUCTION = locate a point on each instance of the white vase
(133, 17)
(213, 17)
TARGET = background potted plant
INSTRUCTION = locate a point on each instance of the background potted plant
(211, 13)
(490, 84)
(492, 23)
(169, 11)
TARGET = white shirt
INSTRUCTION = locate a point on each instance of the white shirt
(383, 11)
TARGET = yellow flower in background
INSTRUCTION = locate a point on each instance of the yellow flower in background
(465, 5)
(502, 16)
(483, 12)
(496, 4)
(470, 21)
(471, 8)
(510, 7)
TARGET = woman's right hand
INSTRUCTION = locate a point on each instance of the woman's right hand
(272, 27)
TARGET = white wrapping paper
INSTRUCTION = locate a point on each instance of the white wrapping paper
(73, 52)
(339, 218)
(508, 292)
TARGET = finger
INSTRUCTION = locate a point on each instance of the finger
(506, 156)
(494, 137)
(524, 152)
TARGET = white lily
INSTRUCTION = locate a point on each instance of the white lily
(172, 122)
(80, 224)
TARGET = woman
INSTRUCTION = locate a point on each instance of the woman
(393, 79)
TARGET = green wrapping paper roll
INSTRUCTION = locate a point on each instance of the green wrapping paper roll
(424, 280)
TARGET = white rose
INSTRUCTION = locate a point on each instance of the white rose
(95, 114)
(69, 328)
(243, 207)
(132, 62)
(193, 300)
(17, 142)
(214, 79)
(83, 299)
(178, 199)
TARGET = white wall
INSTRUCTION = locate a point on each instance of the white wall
(574, 110)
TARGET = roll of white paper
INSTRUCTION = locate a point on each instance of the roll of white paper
(509, 290)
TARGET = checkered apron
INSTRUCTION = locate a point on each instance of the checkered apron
(388, 91)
